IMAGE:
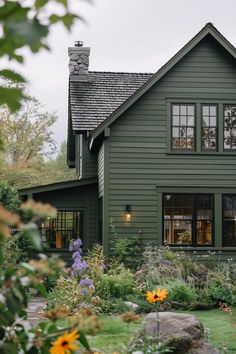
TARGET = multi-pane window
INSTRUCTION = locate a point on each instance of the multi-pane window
(229, 220)
(230, 127)
(183, 126)
(209, 127)
(188, 219)
(59, 231)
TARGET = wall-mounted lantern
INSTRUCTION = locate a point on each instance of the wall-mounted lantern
(128, 212)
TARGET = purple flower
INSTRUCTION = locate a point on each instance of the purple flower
(79, 267)
(85, 282)
(75, 245)
(77, 254)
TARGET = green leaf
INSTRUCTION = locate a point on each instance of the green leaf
(40, 3)
(13, 304)
(18, 294)
(9, 348)
(41, 289)
(12, 97)
(83, 340)
(28, 267)
(32, 233)
(12, 76)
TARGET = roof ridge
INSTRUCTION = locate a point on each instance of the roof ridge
(119, 72)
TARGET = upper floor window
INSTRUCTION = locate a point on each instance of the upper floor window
(209, 127)
(183, 126)
(230, 127)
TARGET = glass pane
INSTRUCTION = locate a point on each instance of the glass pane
(204, 233)
(175, 143)
(190, 121)
(182, 132)
(228, 202)
(212, 132)
(205, 122)
(183, 110)
(183, 120)
(168, 234)
(213, 121)
(175, 110)
(175, 132)
(212, 110)
(229, 234)
(175, 120)
(182, 232)
(191, 110)
(205, 110)
(190, 133)
(190, 143)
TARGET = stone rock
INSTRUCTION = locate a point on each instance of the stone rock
(183, 333)
(132, 305)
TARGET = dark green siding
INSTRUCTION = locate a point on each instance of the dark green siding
(140, 167)
(89, 159)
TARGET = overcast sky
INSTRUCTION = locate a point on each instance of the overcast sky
(124, 35)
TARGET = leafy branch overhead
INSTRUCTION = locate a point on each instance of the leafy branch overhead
(27, 27)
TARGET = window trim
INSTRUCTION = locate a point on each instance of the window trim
(194, 221)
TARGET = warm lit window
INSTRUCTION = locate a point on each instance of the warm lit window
(59, 231)
(183, 126)
(188, 219)
(209, 127)
(230, 127)
(229, 220)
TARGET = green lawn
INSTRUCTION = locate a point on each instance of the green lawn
(219, 327)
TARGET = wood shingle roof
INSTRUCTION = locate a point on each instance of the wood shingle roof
(93, 101)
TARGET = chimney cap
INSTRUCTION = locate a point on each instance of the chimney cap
(79, 43)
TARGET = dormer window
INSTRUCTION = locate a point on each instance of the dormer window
(183, 127)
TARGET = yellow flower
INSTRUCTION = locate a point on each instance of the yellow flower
(64, 344)
(158, 295)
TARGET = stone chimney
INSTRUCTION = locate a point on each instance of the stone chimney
(78, 62)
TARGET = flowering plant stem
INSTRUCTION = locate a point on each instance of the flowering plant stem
(158, 324)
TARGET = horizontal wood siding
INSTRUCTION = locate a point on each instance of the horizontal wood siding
(89, 159)
(138, 143)
(101, 171)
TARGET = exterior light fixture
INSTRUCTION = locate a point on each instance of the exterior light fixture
(128, 212)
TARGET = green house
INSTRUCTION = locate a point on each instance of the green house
(155, 154)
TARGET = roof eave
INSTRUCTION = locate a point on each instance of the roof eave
(207, 29)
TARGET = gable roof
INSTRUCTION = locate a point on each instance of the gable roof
(93, 101)
(208, 29)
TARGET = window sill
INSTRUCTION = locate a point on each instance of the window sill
(202, 153)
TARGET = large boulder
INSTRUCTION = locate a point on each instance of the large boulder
(183, 333)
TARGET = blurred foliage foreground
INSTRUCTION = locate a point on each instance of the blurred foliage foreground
(57, 334)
